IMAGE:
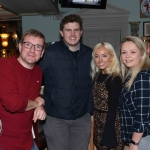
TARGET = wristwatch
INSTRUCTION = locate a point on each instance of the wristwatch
(134, 143)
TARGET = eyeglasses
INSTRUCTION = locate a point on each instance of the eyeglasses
(29, 46)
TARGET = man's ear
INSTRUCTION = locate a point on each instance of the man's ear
(61, 33)
(20, 47)
(42, 52)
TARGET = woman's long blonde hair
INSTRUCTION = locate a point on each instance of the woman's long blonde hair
(144, 63)
(113, 68)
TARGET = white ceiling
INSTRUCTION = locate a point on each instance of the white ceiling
(14, 9)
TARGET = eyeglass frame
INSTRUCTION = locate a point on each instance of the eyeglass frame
(32, 45)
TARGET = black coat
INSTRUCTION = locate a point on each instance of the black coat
(67, 82)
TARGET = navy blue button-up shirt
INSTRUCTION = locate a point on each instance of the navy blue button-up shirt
(134, 107)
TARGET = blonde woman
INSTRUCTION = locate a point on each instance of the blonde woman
(134, 103)
(105, 72)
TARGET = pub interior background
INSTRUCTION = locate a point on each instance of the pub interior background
(50, 27)
(49, 24)
(128, 10)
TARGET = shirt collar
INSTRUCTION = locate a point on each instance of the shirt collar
(78, 48)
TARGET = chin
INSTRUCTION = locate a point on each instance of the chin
(31, 61)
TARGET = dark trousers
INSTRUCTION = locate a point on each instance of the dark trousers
(68, 134)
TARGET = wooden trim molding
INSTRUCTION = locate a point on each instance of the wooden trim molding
(110, 18)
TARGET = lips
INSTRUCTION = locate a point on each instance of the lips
(128, 61)
(72, 38)
(31, 55)
(101, 64)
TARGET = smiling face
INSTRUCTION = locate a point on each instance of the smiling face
(102, 58)
(130, 55)
(29, 56)
(71, 34)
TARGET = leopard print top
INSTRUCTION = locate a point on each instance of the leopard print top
(100, 98)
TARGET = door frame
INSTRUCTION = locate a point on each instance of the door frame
(111, 18)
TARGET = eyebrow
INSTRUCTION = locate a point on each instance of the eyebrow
(129, 50)
(102, 54)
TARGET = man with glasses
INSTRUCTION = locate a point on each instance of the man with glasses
(20, 82)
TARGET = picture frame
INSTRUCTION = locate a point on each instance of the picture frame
(144, 9)
(146, 28)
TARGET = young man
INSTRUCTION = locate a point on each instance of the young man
(20, 81)
(67, 91)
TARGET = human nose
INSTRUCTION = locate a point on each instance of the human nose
(72, 32)
(100, 59)
(127, 54)
(32, 49)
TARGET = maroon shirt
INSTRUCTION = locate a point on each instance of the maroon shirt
(17, 86)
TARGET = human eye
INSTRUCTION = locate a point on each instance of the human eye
(132, 52)
(38, 47)
(123, 52)
(77, 30)
(95, 56)
(68, 30)
(104, 56)
(27, 44)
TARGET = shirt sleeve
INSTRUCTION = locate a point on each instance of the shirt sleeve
(114, 88)
(141, 101)
(10, 98)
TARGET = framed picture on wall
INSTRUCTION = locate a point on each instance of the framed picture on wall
(144, 8)
(146, 28)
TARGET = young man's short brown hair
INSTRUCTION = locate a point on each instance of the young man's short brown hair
(71, 18)
(35, 33)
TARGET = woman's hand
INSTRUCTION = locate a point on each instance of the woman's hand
(133, 147)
